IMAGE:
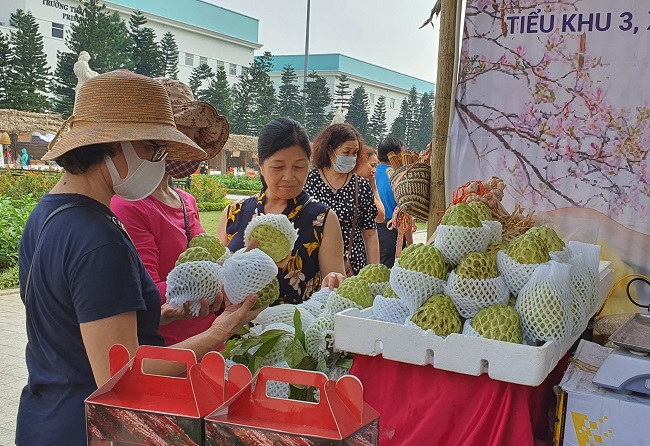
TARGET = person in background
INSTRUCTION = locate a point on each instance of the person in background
(316, 260)
(366, 167)
(24, 159)
(331, 181)
(82, 282)
(162, 224)
(387, 235)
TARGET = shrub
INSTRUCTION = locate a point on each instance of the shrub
(21, 183)
(210, 206)
(9, 278)
(241, 182)
(14, 211)
(206, 188)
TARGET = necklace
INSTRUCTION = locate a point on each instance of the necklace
(330, 184)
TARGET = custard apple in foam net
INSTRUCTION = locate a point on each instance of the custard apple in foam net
(195, 254)
(247, 272)
(209, 242)
(493, 248)
(551, 240)
(191, 281)
(483, 212)
(477, 265)
(375, 273)
(356, 289)
(426, 259)
(320, 335)
(500, 322)
(274, 233)
(389, 292)
(461, 214)
(283, 314)
(267, 295)
(408, 250)
(528, 249)
(438, 314)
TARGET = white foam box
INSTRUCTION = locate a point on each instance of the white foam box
(356, 331)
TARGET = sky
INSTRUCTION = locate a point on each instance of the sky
(383, 32)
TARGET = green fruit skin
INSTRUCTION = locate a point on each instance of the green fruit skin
(499, 322)
(550, 238)
(375, 273)
(528, 249)
(461, 214)
(439, 314)
(195, 254)
(482, 210)
(209, 242)
(268, 294)
(389, 292)
(494, 248)
(272, 242)
(426, 259)
(356, 289)
(477, 265)
(408, 250)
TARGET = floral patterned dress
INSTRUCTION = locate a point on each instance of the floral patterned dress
(301, 276)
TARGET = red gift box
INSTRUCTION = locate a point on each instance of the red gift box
(251, 417)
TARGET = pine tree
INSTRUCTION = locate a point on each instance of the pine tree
(169, 51)
(146, 54)
(198, 75)
(398, 127)
(104, 36)
(265, 100)
(342, 92)
(358, 111)
(28, 73)
(243, 103)
(413, 109)
(5, 60)
(377, 124)
(290, 101)
(425, 123)
(318, 97)
(218, 93)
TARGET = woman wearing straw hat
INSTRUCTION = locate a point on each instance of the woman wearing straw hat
(162, 224)
(82, 282)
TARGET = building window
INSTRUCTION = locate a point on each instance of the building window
(203, 60)
(371, 98)
(392, 102)
(233, 69)
(220, 64)
(57, 30)
(244, 70)
(189, 59)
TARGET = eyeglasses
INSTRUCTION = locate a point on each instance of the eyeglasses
(159, 152)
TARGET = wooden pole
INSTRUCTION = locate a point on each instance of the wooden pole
(442, 107)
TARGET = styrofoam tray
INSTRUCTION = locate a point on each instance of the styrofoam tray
(357, 331)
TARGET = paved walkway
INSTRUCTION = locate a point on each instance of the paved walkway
(13, 373)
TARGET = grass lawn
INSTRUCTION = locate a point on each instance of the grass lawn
(210, 220)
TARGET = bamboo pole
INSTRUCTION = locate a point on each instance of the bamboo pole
(442, 107)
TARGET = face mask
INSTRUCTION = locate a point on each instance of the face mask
(344, 164)
(142, 178)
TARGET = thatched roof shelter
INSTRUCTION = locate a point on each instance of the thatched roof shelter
(242, 143)
(14, 121)
(240, 150)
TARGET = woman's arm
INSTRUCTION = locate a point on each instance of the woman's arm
(330, 254)
(381, 212)
(371, 240)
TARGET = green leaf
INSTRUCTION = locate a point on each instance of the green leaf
(345, 363)
(322, 365)
(297, 323)
(295, 353)
(307, 363)
(243, 330)
(262, 352)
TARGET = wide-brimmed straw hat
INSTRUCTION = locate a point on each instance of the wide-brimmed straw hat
(213, 128)
(122, 106)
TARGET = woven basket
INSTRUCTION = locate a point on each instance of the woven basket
(411, 187)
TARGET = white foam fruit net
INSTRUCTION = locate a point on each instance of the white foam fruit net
(191, 281)
(377, 287)
(225, 256)
(544, 303)
(472, 295)
(277, 221)
(277, 352)
(516, 274)
(247, 272)
(561, 256)
(496, 231)
(278, 389)
(313, 306)
(321, 295)
(414, 287)
(283, 313)
(319, 337)
(591, 257)
(389, 309)
(580, 293)
(468, 330)
(455, 242)
(337, 303)
(257, 330)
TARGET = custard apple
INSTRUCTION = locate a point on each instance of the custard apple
(550, 238)
(493, 248)
(500, 322)
(482, 210)
(274, 243)
(528, 249)
(461, 214)
(195, 254)
(389, 292)
(426, 259)
(439, 314)
(512, 300)
(544, 314)
(268, 294)
(320, 335)
(209, 242)
(477, 265)
(375, 273)
(357, 290)
(408, 250)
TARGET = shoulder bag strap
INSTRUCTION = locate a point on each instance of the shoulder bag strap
(356, 211)
(187, 220)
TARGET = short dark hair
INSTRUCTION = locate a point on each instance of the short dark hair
(82, 158)
(388, 145)
(329, 139)
(280, 134)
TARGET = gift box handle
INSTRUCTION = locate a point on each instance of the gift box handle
(182, 356)
(291, 376)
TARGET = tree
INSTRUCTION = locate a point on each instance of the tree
(342, 92)
(425, 123)
(290, 101)
(146, 54)
(398, 127)
(28, 73)
(265, 100)
(358, 111)
(318, 98)
(169, 52)
(198, 75)
(5, 59)
(377, 124)
(104, 36)
(243, 103)
(218, 93)
(412, 112)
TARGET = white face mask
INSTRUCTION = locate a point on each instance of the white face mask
(142, 177)
(344, 164)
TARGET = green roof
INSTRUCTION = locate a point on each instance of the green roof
(201, 14)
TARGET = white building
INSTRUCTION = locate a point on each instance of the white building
(205, 33)
(377, 81)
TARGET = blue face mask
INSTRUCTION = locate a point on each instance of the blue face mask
(344, 164)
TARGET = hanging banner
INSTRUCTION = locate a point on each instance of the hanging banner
(554, 98)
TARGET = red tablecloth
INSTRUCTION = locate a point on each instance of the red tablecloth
(419, 405)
